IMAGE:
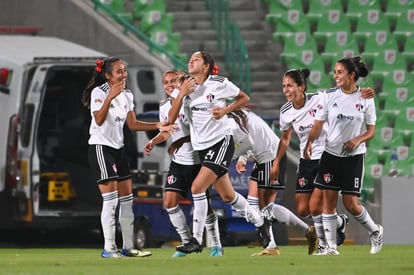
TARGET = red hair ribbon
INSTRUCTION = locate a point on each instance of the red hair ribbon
(99, 64)
(215, 69)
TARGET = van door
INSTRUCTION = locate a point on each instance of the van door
(54, 145)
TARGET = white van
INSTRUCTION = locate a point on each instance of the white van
(45, 181)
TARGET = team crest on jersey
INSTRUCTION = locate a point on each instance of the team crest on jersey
(312, 112)
(114, 168)
(319, 106)
(181, 117)
(210, 97)
(302, 182)
(171, 179)
(327, 177)
(359, 107)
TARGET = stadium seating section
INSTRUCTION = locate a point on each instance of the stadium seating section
(382, 33)
(150, 17)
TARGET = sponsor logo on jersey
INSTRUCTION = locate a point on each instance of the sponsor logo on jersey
(327, 177)
(305, 127)
(344, 117)
(203, 109)
(335, 105)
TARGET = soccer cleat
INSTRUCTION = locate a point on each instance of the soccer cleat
(132, 252)
(264, 233)
(216, 251)
(268, 252)
(115, 254)
(320, 251)
(190, 247)
(377, 240)
(329, 251)
(312, 239)
(340, 231)
(178, 254)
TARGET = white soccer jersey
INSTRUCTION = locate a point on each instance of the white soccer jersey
(185, 155)
(261, 139)
(110, 133)
(214, 92)
(301, 120)
(347, 116)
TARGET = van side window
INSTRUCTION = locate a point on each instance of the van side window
(26, 125)
(145, 80)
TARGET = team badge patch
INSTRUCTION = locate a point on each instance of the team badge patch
(171, 179)
(327, 177)
(359, 107)
(312, 112)
(210, 97)
(302, 182)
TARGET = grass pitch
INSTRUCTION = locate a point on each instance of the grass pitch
(354, 259)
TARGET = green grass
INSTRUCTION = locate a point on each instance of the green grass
(354, 259)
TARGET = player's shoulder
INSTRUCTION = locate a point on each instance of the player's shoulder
(286, 107)
(217, 78)
(165, 101)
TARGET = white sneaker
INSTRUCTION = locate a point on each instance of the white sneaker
(328, 251)
(377, 240)
(320, 251)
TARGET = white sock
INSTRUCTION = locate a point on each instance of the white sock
(126, 219)
(108, 220)
(329, 225)
(199, 215)
(253, 202)
(284, 215)
(272, 244)
(366, 221)
(317, 222)
(178, 220)
(240, 204)
(213, 232)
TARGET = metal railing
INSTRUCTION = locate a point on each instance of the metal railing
(235, 52)
(128, 27)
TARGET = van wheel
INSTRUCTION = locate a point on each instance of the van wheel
(142, 233)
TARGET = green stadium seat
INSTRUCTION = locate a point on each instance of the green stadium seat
(378, 41)
(316, 8)
(404, 163)
(115, 5)
(331, 22)
(354, 9)
(408, 50)
(279, 8)
(318, 78)
(386, 62)
(395, 9)
(290, 22)
(118, 6)
(341, 44)
(370, 21)
(405, 118)
(385, 138)
(155, 21)
(141, 7)
(295, 44)
(170, 41)
(404, 26)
